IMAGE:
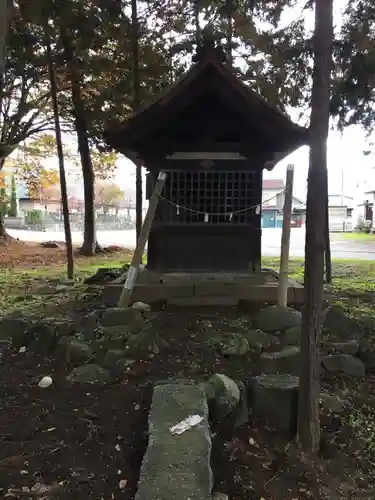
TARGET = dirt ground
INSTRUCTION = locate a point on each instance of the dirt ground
(88, 441)
(15, 253)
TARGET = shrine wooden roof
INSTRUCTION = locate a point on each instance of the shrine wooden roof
(210, 73)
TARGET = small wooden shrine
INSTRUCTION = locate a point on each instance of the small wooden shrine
(213, 136)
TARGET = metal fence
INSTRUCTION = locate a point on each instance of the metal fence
(55, 224)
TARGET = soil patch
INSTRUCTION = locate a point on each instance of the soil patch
(18, 254)
(87, 439)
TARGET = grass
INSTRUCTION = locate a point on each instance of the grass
(25, 289)
(347, 274)
(362, 237)
(28, 291)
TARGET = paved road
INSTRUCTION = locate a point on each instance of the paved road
(271, 238)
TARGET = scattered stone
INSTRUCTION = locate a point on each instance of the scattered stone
(89, 325)
(339, 324)
(259, 340)
(275, 399)
(240, 415)
(74, 351)
(147, 341)
(367, 356)
(123, 366)
(112, 357)
(41, 338)
(104, 275)
(103, 344)
(223, 395)
(87, 374)
(331, 403)
(285, 361)
(117, 331)
(292, 336)
(141, 306)
(220, 496)
(45, 382)
(14, 329)
(278, 319)
(236, 346)
(344, 363)
(121, 317)
(348, 347)
(50, 244)
(177, 466)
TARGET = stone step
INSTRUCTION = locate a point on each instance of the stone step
(203, 301)
(177, 466)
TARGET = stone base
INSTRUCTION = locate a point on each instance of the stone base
(205, 289)
(275, 399)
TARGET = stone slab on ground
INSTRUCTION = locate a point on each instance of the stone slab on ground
(177, 466)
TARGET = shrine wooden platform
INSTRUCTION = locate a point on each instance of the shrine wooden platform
(205, 289)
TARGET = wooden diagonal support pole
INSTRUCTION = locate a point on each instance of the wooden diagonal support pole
(141, 243)
(282, 291)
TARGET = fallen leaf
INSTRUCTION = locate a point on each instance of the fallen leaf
(12, 462)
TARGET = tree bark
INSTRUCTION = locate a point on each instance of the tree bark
(136, 102)
(90, 245)
(3, 234)
(60, 154)
(5, 10)
(308, 416)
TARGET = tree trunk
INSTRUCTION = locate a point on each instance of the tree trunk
(90, 245)
(60, 154)
(136, 101)
(5, 10)
(3, 234)
(308, 415)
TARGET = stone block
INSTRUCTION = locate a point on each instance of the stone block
(344, 363)
(216, 289)
(121, 317)
(285, 361)
(275, 318)
(177, 466)
(275, 399)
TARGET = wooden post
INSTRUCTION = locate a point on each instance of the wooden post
(141, 243)
(282, 291)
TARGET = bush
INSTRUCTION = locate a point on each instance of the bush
(3, 203)
(13, 211)
(364, 226)
(34, 217)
